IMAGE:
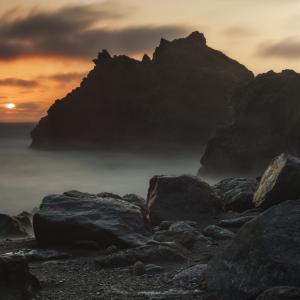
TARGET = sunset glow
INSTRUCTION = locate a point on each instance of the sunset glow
(10, 105)
(57, 41)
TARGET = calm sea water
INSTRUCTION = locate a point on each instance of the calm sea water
(27, 175)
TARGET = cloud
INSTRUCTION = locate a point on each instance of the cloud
(239, 31)
(76, 32)
(29, 106)
(288, 48)
(17, 82)
(64, 77)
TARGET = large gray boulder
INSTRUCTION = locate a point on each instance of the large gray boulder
(183, 197)
(280, 182)
(236, 193)
(68, 218)
(16, 282)
(265, 253)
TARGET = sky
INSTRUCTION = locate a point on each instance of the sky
(47, 47)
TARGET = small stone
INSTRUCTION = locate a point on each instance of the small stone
(138, 269)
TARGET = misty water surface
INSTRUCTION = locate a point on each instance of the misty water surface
(26, 175)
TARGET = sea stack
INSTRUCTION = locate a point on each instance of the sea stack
(179, 96)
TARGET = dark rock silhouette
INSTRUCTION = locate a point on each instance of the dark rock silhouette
(267, 123)
(265, 253)
(181, 95)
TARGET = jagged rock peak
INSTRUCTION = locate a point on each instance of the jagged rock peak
(146, 58)
(160, 92)
(197, 36)
(103, 56)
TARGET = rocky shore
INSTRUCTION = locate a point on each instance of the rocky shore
(236, 240)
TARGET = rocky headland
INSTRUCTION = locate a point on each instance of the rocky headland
(181, 95)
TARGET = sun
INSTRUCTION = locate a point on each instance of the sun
(10, 105)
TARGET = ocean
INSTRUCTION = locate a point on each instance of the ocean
(27, 175)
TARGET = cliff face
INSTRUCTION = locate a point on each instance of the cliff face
(267, 122)
(181, 95)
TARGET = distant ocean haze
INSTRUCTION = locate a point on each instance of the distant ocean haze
(26, 175)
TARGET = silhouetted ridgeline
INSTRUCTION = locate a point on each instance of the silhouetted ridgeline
(267, 122)
(181, 95)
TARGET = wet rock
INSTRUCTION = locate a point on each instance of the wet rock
(280, 182)
(265, 253)
(266, 113)
(218, 233)
(16, 282)
(193, 274)
(64, 220)
(11, 227)
(280, 293)
(32, 255)
(180, 198)
(146, 254)
(236, 194)
(138, 269)
(235, 222)
(156, 94)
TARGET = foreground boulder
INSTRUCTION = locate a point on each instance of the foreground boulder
(265, 253)
(16, 283)
(180, 198)
(69, 218)
(123, 100)
(236, 193)
(11, 227)
(267, 122)
(280, 182)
